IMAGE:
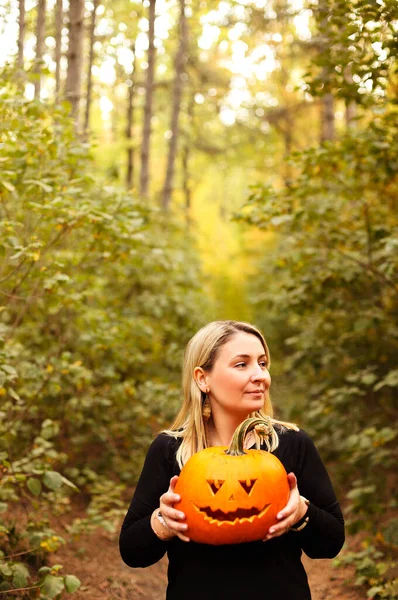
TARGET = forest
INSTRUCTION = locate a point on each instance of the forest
(165, 163)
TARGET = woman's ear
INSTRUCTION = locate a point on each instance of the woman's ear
(200, 378)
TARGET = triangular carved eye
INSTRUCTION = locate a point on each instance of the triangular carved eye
(247, 485)
(215, 484)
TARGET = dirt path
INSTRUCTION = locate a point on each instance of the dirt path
(95, 560)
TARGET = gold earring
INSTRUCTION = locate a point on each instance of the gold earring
(206, 408)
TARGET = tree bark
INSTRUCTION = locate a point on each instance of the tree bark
(350, 105)
(185, 158)
(145, 146)
(89, 68)
(327, 117)
(129, 126)
(21, 34)
(176, 105)
(58, 47)
(327, 101)
(75, 55)
(350, 113)
(40, 32)
(186, 186)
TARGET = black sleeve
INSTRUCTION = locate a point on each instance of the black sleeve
(138, 544)
(324, 535)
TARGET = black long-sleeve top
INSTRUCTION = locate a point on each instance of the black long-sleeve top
(269, 570)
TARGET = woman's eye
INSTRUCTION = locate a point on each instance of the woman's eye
(240, 365)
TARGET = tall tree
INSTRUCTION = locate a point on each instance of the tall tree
(176, 105)
(327, 117)
(130, 123)
(58, 47)
(185, 158)
(327, 100)
(21, 34)
(283, 118)
(89, 68)
(75, 56)
(145, 146)
(350, 105)
(40, 32)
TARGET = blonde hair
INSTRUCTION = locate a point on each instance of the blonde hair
(202, 351)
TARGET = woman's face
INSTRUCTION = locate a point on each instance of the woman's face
(239, 378)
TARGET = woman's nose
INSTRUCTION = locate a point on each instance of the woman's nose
(259, 374)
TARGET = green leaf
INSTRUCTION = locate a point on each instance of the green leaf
(9, 370)
(5, 570)
(13, 394)
(368, 378)
(4, 586)
(69, 483)
(72, 583)
(3, 507)
(34, 486)
(44, 186)
(20, 576)
(52, 480)
(52, 586)
(391, 379)
(7, 185)
(374, 590)
(49, 429)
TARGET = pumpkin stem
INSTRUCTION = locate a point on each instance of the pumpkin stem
(262, 426)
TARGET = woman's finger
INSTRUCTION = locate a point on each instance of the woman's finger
(293, 501)
(173, 518)
(286, 515)
(173, 482)
(169, 497)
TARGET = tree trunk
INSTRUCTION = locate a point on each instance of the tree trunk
(21, 34)
(129, 126)
(89, 68)
(58, 47)
(144, 175)
(350, 106)
(327, 101)
(186, 153)
(327, 117)
(286, 126)
(186, 186)
(350, 113)
(288, 145)
(40, 32)
(75, 55)
(176, 105)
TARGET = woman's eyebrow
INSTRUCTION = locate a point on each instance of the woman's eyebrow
(248, 356)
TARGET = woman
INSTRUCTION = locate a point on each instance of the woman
(226, 379)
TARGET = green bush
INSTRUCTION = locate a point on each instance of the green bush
(98, 294)
(328, 298)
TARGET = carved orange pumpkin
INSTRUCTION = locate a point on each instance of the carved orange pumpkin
(231, 495)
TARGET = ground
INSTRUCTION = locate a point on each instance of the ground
(95, 560)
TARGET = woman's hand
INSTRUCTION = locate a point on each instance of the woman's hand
(294, 510)
(173, 517)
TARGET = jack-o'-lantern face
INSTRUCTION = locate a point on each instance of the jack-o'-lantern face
(233, 495)
(231, 499)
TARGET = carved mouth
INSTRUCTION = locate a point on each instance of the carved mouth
(242, 514)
